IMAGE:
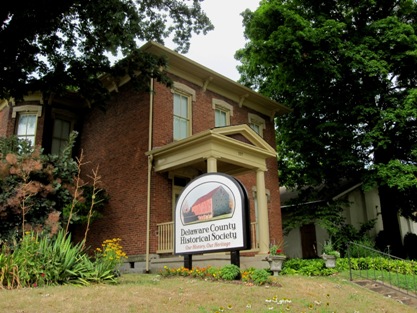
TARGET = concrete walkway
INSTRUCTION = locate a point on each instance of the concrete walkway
(409, 299)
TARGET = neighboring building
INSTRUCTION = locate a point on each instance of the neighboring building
(363, 206)
(150, 145)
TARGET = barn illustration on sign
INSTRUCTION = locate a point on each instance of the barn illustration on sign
(218, 203)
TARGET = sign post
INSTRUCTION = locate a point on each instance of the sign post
(212, 215)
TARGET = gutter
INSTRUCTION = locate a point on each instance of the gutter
(148, 193)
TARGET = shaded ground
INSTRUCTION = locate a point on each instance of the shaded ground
(404, 297)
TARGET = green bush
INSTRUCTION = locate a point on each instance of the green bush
(308, 267)
(36, 189)
(260, 276)
(230, 272)
(363, 248)
(41, 260)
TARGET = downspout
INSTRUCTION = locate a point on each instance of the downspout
(148, 193)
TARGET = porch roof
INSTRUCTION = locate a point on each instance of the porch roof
(238, 149)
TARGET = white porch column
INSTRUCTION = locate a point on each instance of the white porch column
(211, 164)
(263, 222)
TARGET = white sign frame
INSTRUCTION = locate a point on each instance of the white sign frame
(212, 215)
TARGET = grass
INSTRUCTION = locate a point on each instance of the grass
(152, 293)
(406, 282)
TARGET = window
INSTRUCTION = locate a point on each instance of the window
(256, 123)
(27, 121)
(60, 135)
(222, 112)
(220, 117)
(182, 120)
(183, 97)
(26, 127)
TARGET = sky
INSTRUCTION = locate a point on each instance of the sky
(216, 50)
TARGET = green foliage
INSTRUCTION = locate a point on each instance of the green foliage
(308, 267)
(347, 69)
(379, 264)
(329, 249)
(363, 248)
(259, 276)
(36, 189)
(277, 249)
(82, 208)
(39, 260)
(297, 215)
(68, 46)
(343, 233)
(110, 255)
(230, 272)
(316, 267)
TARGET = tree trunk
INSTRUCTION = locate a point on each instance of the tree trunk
(389, 210)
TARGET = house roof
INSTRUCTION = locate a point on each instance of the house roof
(194, 72)
(338, 192)
(208, 79)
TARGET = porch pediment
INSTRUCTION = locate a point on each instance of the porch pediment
(238, 149)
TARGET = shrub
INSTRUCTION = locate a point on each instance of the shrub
(230, 272)
(363, 248)
(38, 260)
(260, 276)
(111, 254)
(308, 267)
(34, 185)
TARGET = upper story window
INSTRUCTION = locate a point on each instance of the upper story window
(182, 116)
(257, 123)
(60, 135)
(183, 97)
(26, 127)
(63, 124)
(222, 112)
(27, 121)
(220, 118)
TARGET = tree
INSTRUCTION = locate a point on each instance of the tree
(56, 46)
(348, 69)
(44, 192)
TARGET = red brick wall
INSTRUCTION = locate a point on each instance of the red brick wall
(203, 119)
(117, 140)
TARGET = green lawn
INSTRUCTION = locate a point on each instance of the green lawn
(153, 293)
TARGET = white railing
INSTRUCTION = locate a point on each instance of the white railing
(166, 237)
(254, 236)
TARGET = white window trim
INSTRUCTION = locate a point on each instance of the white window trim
(257, 120)
(184, 89)
(33, 109)
(222, 105)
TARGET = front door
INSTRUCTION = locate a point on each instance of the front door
(308, 241)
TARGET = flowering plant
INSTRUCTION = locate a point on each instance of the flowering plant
(111, 255)
(276, 249)
(328, 249)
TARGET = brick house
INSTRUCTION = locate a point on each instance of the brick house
(150, 145)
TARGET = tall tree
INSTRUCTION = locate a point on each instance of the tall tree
(54, 46)
(348, 69)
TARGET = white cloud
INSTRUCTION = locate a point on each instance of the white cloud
(216, 50)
